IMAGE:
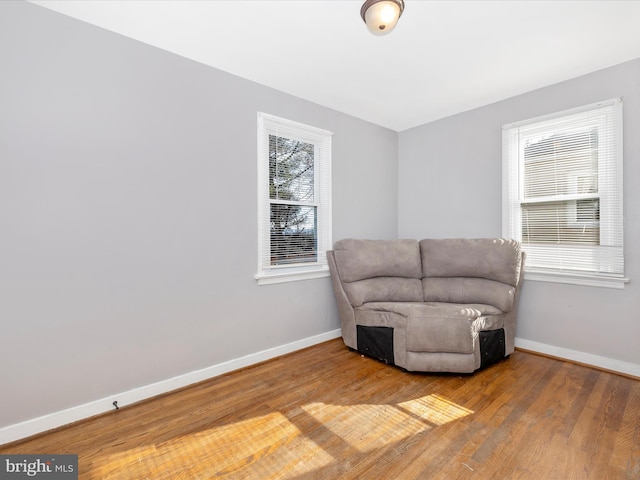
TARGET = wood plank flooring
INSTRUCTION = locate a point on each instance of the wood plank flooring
(327, 413)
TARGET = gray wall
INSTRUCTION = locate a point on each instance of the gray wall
(450, 186)
(128, 214)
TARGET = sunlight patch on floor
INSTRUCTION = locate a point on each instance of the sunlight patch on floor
(367, 427)
(435, 409)
(266, 445)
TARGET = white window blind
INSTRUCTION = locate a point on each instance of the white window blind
(294, 200)
(562, 193)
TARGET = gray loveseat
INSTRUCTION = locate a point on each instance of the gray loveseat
(435, 305)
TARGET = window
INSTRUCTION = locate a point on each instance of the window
(562, 194)
(294, 200)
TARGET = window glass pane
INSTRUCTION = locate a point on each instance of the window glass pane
(561, 164)
(290, 169)
(567, 223)
(294, 236)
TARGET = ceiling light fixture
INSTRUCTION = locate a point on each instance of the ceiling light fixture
(381, 16)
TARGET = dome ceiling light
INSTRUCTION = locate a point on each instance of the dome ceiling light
(381, 16)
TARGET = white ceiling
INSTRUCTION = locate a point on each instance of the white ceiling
(444, 57)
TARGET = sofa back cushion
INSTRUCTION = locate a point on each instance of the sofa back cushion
(360, 259)
(483, 270)
(491, 258)
(379, 270)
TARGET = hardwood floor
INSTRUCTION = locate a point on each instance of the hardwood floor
(328, 413)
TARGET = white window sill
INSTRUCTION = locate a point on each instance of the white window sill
(575, 278)
(292, 275)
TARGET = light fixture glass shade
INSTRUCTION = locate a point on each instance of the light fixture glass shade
(381, 16)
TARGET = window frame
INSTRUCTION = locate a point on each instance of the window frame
(321, 140)
(610, 197)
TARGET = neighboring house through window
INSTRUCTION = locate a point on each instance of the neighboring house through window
(562, 194)
(294, 200)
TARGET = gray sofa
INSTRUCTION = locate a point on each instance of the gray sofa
(434, 305)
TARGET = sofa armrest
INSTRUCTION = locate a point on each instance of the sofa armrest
(346, 313)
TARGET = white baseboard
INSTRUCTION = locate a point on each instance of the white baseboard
(597, 361)
(41, 424)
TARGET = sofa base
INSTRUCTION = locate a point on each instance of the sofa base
(492, 346)
(377, 343)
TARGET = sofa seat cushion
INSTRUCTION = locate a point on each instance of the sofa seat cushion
(431, 309)
(435, 326)
(388, 289)
(469, 290)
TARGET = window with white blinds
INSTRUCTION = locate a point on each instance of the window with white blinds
(562, 194)
(294, 200)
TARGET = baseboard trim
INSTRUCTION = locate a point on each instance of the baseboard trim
(54, 420)
(602, 363)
